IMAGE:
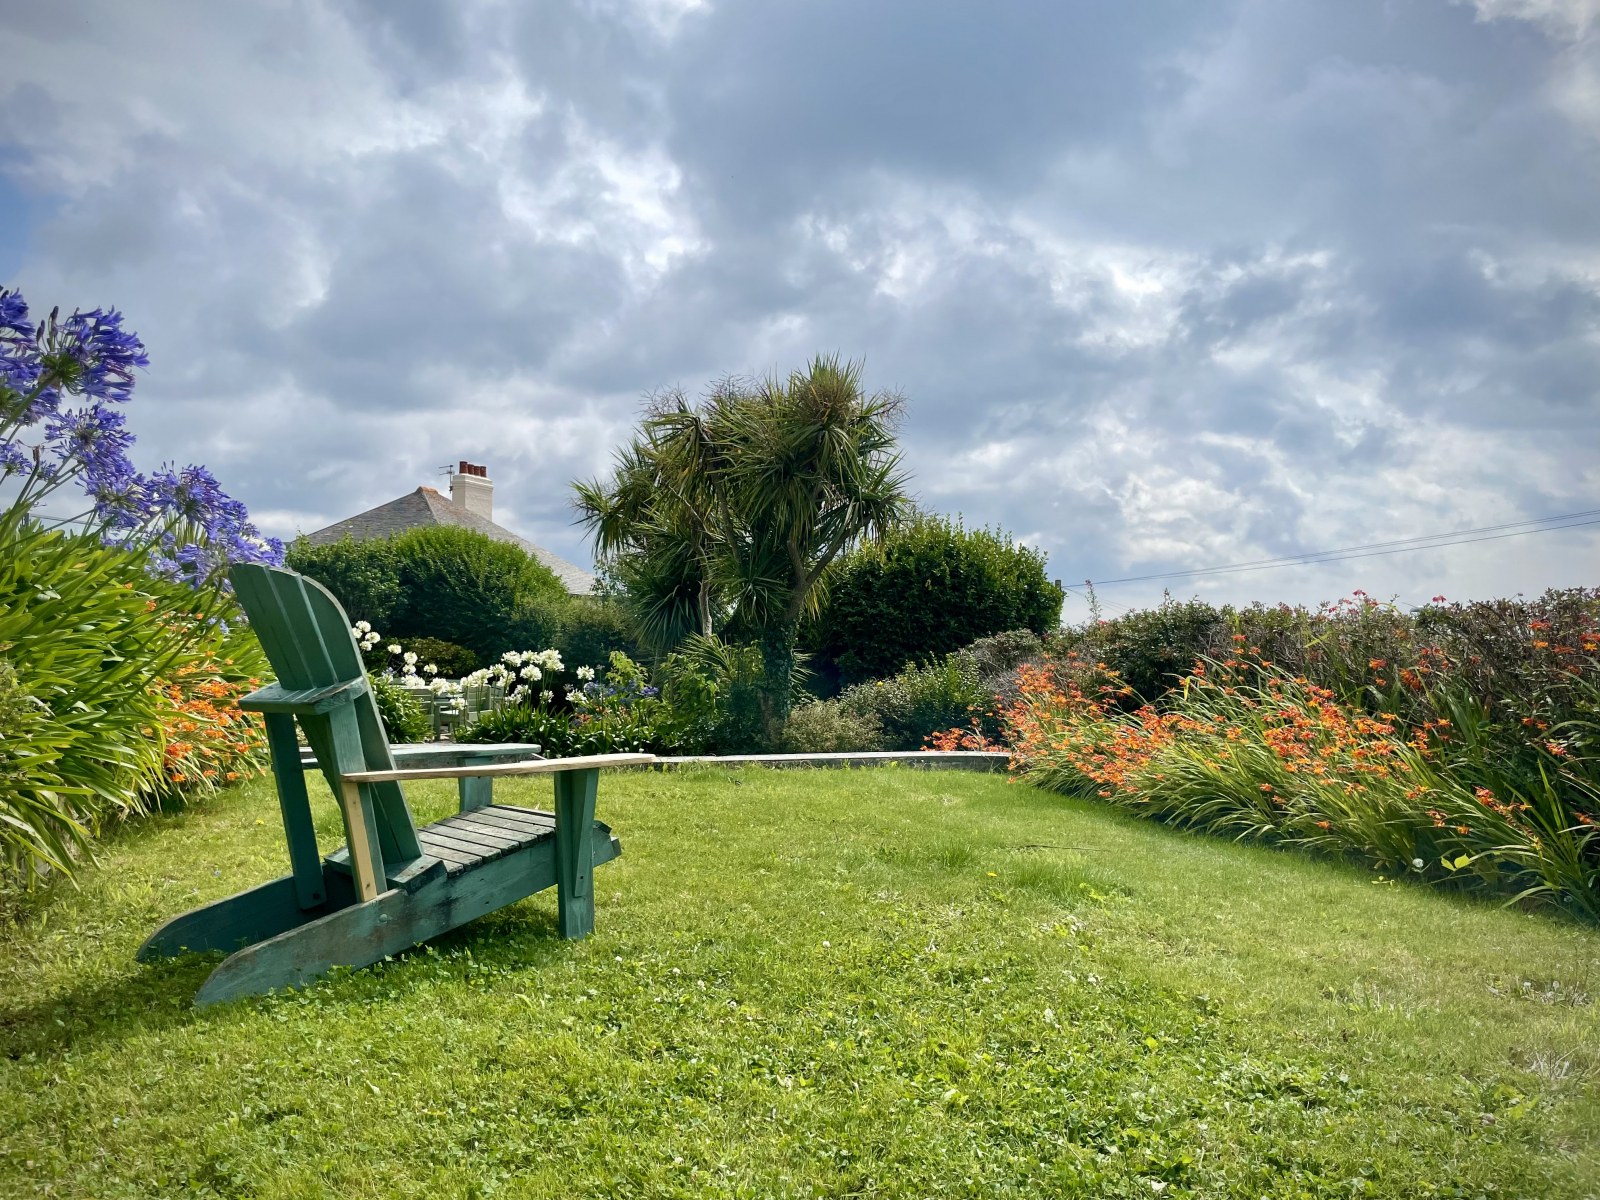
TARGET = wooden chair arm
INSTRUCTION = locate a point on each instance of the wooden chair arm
(544, 766)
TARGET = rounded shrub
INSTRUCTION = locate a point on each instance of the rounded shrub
(462, 586)
(825, 727)
(921, 701)
(932, 587)
(453, 661)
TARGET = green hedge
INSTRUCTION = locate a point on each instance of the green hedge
(444, 582)
(932, 587)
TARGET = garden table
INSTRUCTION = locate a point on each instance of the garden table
(475, 792)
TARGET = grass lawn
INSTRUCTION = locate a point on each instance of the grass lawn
(867, 983)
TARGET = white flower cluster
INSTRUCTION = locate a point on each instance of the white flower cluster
(549, 660)
(367, 637)
(517, 671)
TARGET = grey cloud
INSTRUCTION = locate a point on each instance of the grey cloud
(1169, 284)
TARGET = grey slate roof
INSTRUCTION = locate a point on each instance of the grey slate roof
(425, 506)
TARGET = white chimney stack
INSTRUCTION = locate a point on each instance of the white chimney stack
(472, 489)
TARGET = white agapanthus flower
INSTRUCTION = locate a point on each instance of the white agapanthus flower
(547, 695)
(408, 670)
(512, 657)
(572, 697)
(411, 658)
(370, 641)
(550, 660)
(363, 627)
(431, 669)
(393, 647)
(531, 672)
(585, 673)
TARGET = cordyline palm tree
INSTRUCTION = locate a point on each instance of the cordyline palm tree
(734, 509)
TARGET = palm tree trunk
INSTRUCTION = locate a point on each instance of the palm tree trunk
(703, 607)
(777, 666)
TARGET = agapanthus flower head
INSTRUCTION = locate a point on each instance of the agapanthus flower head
(393, 647)
(531, 672)
(585, 673)
(512, 658)
(363, 627)
(431, 669)
(410, 657)
(107, 355)
(14, 323)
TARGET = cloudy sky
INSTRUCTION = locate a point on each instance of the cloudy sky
(1169, 283)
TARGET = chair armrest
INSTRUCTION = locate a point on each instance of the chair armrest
(275, 698)
(544, 766)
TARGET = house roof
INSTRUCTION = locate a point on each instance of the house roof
(425, 507)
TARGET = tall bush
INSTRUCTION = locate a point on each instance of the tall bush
(443, 582)
(1152, 649)
(931, 587)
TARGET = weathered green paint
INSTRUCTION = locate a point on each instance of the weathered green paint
(296, 808)
(475, 793)
(275, 698)
(575, 794)
(358, 935)
(410, 875)
(307, 638)
(244, 919)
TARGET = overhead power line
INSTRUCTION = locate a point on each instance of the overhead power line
(1433, 541)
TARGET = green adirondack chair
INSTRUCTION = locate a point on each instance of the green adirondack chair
(392, 885)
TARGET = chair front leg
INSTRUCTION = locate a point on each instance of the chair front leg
(575, 793)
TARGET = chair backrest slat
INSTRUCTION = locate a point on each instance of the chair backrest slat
(304, 628)
(253, 585)
(338, 639)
